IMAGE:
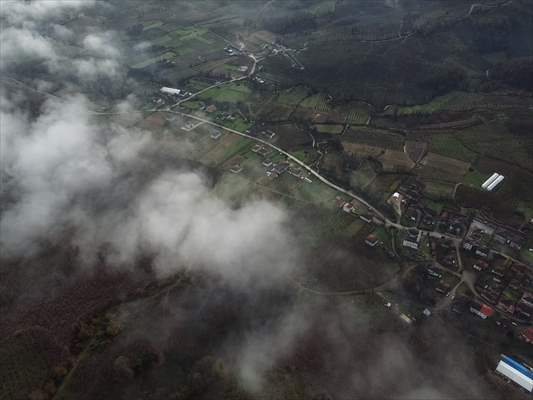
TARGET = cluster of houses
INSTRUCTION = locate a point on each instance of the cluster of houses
(507, 286)
(485, 235)
(407, 202)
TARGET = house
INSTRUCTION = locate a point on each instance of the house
(482, 252)
(412, 240)
(216, 134)
(527, 299)
(372, 240)
(264, 151)
(406, 318)
(365, 218)
(267, 163)
(268, 134)
(480, 265)
(481, 310)
(236, 169)
(277, 170)
(507, 305)
(527, 335)
(434, 274)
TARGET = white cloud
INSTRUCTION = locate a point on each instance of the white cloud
(92, 68)
(23, 45)
(100, 45)
(62, 160)
(20, 11)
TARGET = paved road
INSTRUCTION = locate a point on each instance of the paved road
(292, 158)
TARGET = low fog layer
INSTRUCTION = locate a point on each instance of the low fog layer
(60, 164)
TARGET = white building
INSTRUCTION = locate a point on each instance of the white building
(493, 185)
(171, 91)
(494, 180)
(491, 179)
(517, 372)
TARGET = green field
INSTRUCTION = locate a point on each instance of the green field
(453, 101)
(292, 96)
(230, 93)
(240, 146)
(315, 102)
(169, 55)
(151, 24)
(192, 105)
(450, 146)
(317, 193)
(475, 179)
(238, 124)
(526, 209)
(329, 128)
(324, 7)
(188, 33)
(439, 190)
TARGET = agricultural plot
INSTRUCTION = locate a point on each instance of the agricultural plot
(238, 124)
(333, 129)
(439, 190)
(317, 102)
(435, 166)
(234, 188)
(147, 25)
(395, 161)
(293, 96)
(196, 84)
(459, 101)
(362, 150)
(226, 147)
(474, 179)
(415, 150)
(381, 188)
(322, 8)
(169, 55)
(456, 101)
(314, 192)
(327, 223)
(230, 93)
(374, 137)
(200, 143)
(362, 177)
(449, 145)
(358, 117)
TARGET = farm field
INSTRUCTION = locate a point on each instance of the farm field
(230, 93)
(329, 128)
(451, 146)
